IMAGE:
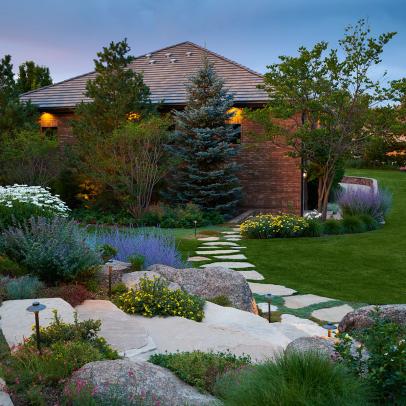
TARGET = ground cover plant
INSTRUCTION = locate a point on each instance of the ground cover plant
(200, 369)
(53, 249)
(155, 246)
(38, 379)
(307, 379)
(23, 287)
(153, 297)
(338, 266)
(384, 369)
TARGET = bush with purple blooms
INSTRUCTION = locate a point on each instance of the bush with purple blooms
(355, 202)
(154, 245)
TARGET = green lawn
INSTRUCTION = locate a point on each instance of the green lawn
(368, 268)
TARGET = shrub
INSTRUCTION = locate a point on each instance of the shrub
(9, 267)
(20, 202)
(73, 294)
(359, 201)
(333, 227)
(314, 228)
(369, 222)
(154, 298)
(200, 369)
(274, 226)
(137, 262)
(107, 252)
(54, 249)
(292, 379)
(353, 224)
(24, 287)
(59, 331)
(385, 366)
(156, 246)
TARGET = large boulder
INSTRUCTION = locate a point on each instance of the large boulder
(321, 345)
(138, 378)
(209, 283)
(362, 317)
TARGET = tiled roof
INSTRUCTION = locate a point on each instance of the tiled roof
(165, 73)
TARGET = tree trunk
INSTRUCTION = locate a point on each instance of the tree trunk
(324, 187)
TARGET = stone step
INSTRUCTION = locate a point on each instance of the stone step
(217, 243)
(119, 329)
(299, 301)
(235, 256)
(212, 252)
(209, 239)
(265, 288)
(251, 275)
(334, 314)
(232, 265)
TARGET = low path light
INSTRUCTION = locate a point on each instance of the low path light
(35, 308)
(269, 299)
(195, 221)
(110, 274)
(329, 326)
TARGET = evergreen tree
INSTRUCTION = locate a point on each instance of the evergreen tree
(14, 115)
(32, 76)
(116, 92)
(205, 146)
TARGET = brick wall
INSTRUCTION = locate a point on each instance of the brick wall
(271, 180)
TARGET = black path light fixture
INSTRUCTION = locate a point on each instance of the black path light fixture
(330, 327)
(195, 221)
(35, 308)
(110, 274)
(269, 300)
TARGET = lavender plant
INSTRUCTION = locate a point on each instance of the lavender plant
(361, 201)
(53, 249)
(156, 246)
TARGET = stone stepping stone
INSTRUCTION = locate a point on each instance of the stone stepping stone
(213, 244)
(264, 288)
(230, 232)
(121, 330)
(233, 239)
(307, 326)
(333, 314)
(209, 248)
(298, 301)
(198, 259)
(17, 322)
(236, 229)
(252, 275)
(232, 265)
(236, 256)
(208, 239)
(264, 307)
(213, 252)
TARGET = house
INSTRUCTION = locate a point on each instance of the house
(271, 180)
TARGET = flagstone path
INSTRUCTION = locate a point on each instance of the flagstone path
(225, 250)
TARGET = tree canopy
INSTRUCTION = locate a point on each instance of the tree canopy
(32, 76)
(329, 94)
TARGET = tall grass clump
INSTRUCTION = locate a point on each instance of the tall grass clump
(154, 245)
(355, 202)
(53, 249)
(306, 379)
(25, 287)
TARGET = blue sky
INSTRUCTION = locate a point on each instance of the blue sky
(66, 34)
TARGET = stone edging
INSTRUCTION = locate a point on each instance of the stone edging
(360, 180)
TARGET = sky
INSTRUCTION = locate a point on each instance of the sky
(66, 34)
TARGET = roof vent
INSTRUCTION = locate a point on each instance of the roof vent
(173, 60)
(148, 56)
(152, 61)
(188, 53)
(168, 54)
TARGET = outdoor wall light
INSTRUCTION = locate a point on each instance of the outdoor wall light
(269, 299)
(35, 308)
(329, 327)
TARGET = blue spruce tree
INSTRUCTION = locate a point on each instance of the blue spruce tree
(205, 146)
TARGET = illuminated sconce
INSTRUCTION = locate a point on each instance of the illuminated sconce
(133, 116)
(237, 117)
(48, 120)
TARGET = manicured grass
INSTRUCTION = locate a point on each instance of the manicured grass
(367, 268)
